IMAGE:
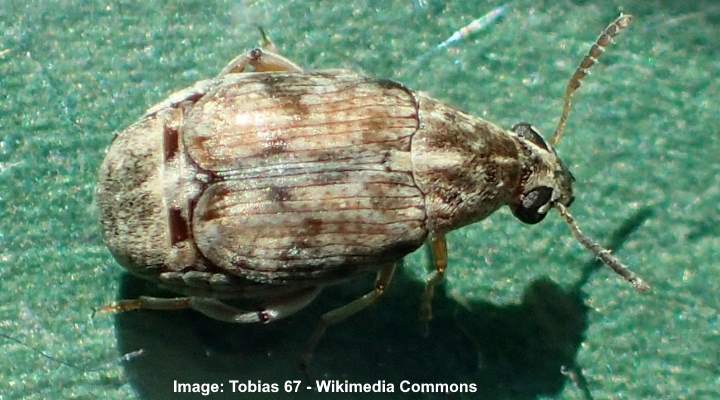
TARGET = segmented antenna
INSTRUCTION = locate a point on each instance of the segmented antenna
(597, 49)
(602, 253)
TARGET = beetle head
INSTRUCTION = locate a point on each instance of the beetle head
(547, 180)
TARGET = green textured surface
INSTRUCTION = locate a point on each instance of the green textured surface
(519, 301)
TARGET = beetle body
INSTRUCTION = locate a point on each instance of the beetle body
(267, 186)
(299, 179)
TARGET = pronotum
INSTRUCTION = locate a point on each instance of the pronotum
(263, 187)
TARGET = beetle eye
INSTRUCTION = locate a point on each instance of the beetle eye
(530, 203)
(528, 132)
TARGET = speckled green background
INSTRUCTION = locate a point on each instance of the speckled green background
(519, 302)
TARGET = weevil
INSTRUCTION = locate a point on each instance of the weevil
(262, 187)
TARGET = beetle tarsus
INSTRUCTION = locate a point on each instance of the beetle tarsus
(119, 307)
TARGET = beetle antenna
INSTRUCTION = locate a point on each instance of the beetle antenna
(602, 253)
(597, 49)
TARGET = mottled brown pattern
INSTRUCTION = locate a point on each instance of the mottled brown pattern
(491, 170)
(290, 98)
(458, 130)
(279, 194)
(133, 216)
(314, 226)
(178, 226)
(305, 196)
(199, 144)
(270, 119)
(170, 142)
(467, 167)
(220, 193)
(307, 175)
(525, 171)
(274, 147)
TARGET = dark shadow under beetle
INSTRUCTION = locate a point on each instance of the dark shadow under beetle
(509, 351)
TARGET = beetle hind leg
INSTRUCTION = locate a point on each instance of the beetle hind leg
(384, 276)
(147, 303)
(219, 310)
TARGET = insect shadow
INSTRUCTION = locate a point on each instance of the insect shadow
(509, 351)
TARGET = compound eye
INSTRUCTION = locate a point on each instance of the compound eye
(528, 132)
(530, 203)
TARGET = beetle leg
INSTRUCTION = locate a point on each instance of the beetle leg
(262, 61)
(266, 43)
(216, 309)
(384, 276)
(438, 247)
(148, 303)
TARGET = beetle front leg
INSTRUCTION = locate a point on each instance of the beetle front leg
(384, 276)
(438, 247)
(262, 61)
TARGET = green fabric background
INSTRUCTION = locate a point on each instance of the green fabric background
(519, 303)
